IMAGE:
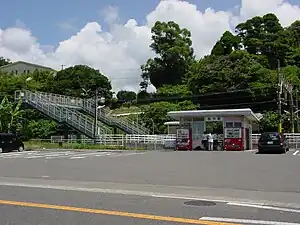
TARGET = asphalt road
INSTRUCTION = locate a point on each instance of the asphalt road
(150, 188)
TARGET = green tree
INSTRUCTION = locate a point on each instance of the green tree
(265, 36)
(226, 44)
(73, 80)
(174, 54)
(4, 61)
(9, 114)
(156, 114)
(40, 129)
(269, 122)
(179, 90)
(126, 96)
(238, 70)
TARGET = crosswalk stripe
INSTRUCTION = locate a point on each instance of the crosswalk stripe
(60, 155)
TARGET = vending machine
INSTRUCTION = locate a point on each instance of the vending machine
(233, 139)
(184, 139)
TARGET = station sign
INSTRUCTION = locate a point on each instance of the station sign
(213, 119)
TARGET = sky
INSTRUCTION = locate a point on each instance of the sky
(114, 35)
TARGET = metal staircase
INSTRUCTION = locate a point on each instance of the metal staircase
(79, 121)
(88, 105)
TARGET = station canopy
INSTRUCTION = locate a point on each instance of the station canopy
(246, 112)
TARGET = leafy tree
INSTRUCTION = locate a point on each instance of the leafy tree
(269, 122)
(179, 90)
(126, 96)
(9, 114)
(156, 114)
(226, 44)
(173, 47)
(73, 80)
(265, 36)
(4, 61)
(41, 129)
(238, 70)
(144, 95)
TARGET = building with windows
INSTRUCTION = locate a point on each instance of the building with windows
(232, 128)
(21, 67)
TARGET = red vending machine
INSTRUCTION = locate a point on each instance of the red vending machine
(184, 139)
(233, 139)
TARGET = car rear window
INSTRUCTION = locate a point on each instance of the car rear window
(270, 137)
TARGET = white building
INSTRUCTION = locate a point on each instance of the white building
(21, 67)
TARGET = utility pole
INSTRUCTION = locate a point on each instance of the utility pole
(96, 117)
(62, 66)
(279, 97)
(297, 112)
(292, 109)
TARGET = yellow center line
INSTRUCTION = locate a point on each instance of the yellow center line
(113, 213)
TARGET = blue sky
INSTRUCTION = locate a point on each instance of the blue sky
(46, 18)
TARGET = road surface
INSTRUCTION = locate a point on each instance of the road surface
(149, 188)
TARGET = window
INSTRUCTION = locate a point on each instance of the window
(229, 124)
(270, 137)
(237, 124)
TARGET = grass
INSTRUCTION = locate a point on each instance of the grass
(131, 109)
(34, 145)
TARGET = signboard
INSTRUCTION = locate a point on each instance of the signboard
(213, 119)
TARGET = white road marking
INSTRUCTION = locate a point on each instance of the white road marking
(264, 207)
(296, 152)
(117, 191)
(246, 221)
(126, 154)
(78, 157)
(58, 155)
(44, 155)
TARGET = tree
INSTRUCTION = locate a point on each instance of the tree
(179, 90)
(173, 47)
(126, 96)
(265, 36)
(226, 44)
(156, 114)
(41, 129)
(73, 80)
(4, 61)
(9, 114)
(269, 122)
(238, 70)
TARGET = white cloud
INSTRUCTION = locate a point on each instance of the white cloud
(110, 14)
(119, 52)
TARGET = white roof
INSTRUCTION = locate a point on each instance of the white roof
(172, 123)
(246, 112)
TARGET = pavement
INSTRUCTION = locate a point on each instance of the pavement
(127, 187)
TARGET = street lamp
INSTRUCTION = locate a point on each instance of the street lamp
(152, 125)
(27, 80)
(85, 93)
(102, 101)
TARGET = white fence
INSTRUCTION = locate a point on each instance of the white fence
(125, 140)
(122, 139)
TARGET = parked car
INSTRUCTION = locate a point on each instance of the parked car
(273, 142)
(10, 142)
